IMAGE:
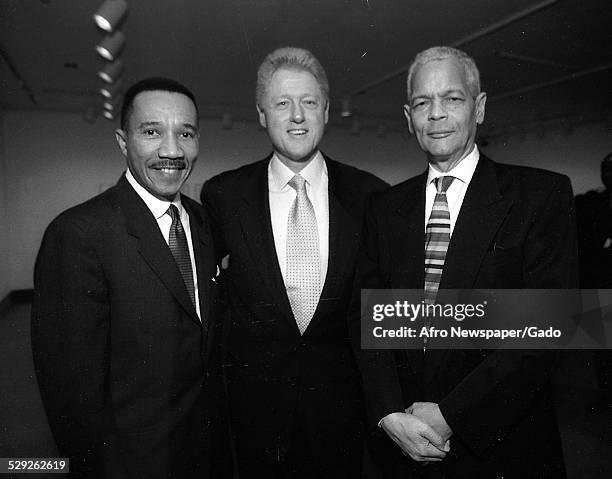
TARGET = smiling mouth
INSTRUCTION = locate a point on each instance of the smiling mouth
(297, 132)
(437, 135)
(167, 167)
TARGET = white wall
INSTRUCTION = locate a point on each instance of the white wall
(55, 160)
(577, 154)
(4, 225)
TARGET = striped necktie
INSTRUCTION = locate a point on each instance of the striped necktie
(437, 238)
(302, 278)
(180, 250)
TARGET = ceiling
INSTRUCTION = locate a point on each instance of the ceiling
(558, 53)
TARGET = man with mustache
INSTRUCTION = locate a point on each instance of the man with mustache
(125, 306)
(465, 223)
(290, 224)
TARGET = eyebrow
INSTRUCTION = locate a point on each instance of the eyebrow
(444, 93)
(146, 124)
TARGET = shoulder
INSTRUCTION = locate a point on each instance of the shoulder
(527, 176)
(88, 219)
(398, 193)
(236, 176)
(349, 176)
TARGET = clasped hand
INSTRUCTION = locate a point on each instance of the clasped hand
(415, 437)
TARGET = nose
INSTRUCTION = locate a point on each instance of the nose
(170, 147)
(437, 110)
(297, 113)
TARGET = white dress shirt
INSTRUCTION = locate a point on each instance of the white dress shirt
(159, 209)
(463, 172)
(281, 197)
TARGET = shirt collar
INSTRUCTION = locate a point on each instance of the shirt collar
(464, 170)
(313, 172)
(158, 207)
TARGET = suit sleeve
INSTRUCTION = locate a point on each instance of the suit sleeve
(377, 367)
(70, 345)
(483, 408)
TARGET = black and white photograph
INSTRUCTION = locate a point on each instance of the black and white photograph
(198, 199)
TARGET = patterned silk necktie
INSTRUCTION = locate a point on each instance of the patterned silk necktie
(180, 250)
(437, 238)
(302, 276)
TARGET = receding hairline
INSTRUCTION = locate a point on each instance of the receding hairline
(466, 63)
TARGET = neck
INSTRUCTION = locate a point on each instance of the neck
(296, 166)
(444, 165)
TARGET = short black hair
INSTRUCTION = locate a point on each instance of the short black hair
(151, 84)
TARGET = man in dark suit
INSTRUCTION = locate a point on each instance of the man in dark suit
(290, 224)
(465, 413)
(125, 305)
(594, 215)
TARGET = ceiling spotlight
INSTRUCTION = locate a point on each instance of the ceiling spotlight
(111, 91)
(111, 71)
(108, 106)
(346, 108)
(110, 14)
(111, 46)
(109, 115)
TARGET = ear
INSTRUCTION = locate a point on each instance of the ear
(262, 117)
(121, 137)
(481, 101)
(326, 112)
(408, 118)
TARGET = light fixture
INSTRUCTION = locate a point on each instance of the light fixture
(111, 71)
(110, 14)
(111, 91)
(109, 115)
(111, 46)
(346, 108)
(109, 105)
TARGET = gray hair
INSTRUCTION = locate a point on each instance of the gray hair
(472, 75)
(294, 59)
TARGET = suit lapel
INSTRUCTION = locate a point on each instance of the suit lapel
(343, 241)
(482, 212)
(200, 238)
(257, 230)
(139, 222)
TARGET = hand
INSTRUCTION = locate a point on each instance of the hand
(415, 437)
(429, 413)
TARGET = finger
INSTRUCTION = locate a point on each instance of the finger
(429, 451)
(433, 437)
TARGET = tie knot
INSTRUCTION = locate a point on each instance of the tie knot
(173, 212)
(298, 183)
(443, 182)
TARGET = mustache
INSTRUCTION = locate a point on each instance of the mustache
(178, 164)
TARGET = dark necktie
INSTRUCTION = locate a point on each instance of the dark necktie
(180, 250)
